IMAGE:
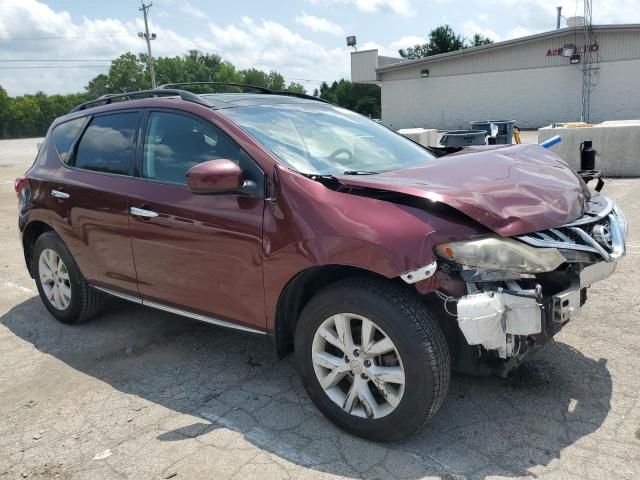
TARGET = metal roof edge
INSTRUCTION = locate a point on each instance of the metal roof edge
(503, 44)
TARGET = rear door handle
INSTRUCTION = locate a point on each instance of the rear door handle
(141, 212)
(59, 194)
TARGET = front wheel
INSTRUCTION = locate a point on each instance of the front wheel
(372, 358)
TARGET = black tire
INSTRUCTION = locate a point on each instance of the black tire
(86, 301)
(418, 339)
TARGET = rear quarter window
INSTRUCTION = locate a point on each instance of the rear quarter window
(64, 136)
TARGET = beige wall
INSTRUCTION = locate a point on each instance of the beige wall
(534, 97)
(517, 81)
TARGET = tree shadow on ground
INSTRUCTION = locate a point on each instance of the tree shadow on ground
(230, 380)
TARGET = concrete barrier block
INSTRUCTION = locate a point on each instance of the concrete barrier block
(617, 144)
(427, 137)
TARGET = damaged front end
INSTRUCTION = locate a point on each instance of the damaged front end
(520, 291)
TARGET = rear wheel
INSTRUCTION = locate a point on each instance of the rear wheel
(63, 289)
(372, 358)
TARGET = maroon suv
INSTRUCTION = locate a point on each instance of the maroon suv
(382, 264)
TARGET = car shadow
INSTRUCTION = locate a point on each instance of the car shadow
(230, 380)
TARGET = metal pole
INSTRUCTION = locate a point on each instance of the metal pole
(147, 37)
(558, 18)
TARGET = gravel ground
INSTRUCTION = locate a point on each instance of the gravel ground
(142, 394)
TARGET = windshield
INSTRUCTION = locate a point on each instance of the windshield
(326, 140)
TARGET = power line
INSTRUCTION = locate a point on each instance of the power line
(56, 67)
(66, 37)
(57, 60)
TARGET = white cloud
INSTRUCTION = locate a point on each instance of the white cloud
(269, 45)
(248, 43)
(192, 11)
(519, 32)
(391, 50)
(540, 15)
(401, 7)
(406, 42)
(382, 50)
(319, 24)
(469, 28)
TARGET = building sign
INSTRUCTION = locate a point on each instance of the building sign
(557, 52)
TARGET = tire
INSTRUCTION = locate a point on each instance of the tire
(419, 345)
(84, 301)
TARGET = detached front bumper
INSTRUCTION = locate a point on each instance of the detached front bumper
(509, 318)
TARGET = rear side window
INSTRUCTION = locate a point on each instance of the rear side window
(106, 144)
(65, 134)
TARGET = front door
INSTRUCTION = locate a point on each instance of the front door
(201, 253)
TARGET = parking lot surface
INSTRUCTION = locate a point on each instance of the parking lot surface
(137, 393)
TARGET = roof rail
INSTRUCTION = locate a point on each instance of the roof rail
(300, 95)
(226, 84)
(164, 92)
(251, 87)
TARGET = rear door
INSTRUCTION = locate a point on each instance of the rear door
(91, 194)
(201, 253)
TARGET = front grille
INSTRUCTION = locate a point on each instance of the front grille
(601, 230)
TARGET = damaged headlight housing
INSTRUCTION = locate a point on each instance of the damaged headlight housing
(496, 253)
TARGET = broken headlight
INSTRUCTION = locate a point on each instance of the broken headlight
(496, 253)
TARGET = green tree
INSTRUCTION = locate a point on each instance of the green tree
(478, 40)
(127, 73)
(24, 117)
(296, 88)
(359, 97)
(272, 80)
(417, 51)
(5, 107)
(98, 86)
(443, 39)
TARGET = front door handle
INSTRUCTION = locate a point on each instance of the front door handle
(141, 212)
(59, 194)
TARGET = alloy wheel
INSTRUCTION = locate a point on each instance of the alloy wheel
(358, 366)
(54, 278)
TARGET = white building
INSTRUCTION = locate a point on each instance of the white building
(528, 79)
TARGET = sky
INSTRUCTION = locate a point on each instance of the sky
(303, 39)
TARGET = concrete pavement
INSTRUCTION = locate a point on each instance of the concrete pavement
(141, 394)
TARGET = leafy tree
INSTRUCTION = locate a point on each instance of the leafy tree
(98, 86)
(443, 39)
(24, 117)
(417, 51)
(478, 40)
(31, 115)
(359, 97)
(296, 88)
(127, 73)
(5, 106)
(272, 80)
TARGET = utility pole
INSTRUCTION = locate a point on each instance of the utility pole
(148, 37)
(558, 17)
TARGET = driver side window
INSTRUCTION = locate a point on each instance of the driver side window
(174, 143)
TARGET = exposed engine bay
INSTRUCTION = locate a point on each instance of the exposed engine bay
(518, 292)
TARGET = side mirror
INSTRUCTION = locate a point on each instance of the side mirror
(214, 176)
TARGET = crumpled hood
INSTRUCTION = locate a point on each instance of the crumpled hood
(511, 190)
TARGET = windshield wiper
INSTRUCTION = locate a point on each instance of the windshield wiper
(358, 172)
